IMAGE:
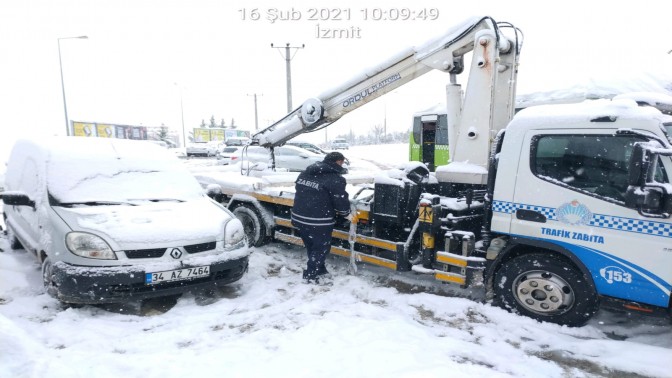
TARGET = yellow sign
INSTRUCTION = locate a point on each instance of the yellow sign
(201, 135)
(84, 129)
(105, 131)
(217, 135)
(426, 214)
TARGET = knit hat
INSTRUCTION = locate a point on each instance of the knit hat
(333, 157)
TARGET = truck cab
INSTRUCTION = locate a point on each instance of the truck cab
(565, 187)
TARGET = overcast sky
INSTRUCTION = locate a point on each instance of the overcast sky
(141, 57)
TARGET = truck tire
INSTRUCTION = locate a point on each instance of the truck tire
(547, 288)
(255, 229)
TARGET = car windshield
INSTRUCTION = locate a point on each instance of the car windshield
(117, 172)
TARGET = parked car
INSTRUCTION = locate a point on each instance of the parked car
(228, 155)
(340, 144)
(113, 219)
(159, 143)
(308, 146)
(286, 157)
(237, 141)
(202, 149)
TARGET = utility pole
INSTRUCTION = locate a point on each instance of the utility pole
(288, 59)
(184, 136)
(256, 117)
(60, 64)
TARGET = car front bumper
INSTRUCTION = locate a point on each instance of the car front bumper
(95, 285)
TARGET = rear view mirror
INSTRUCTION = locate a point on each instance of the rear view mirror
(637, 162)
(650, 198)
(644, 198)
(17, 199)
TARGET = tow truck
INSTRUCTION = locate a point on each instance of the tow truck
(553, 212)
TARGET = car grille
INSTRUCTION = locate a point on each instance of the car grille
(195, 248)
(158, 252)
(145, 253)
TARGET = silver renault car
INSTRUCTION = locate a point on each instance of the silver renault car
(113, 219)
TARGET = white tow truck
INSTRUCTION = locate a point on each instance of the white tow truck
(554, 212)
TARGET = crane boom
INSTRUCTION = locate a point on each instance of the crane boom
(488, 100)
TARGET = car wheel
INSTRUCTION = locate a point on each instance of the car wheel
(547, 288)
(48, 278)
(14, 242)
(255, 229)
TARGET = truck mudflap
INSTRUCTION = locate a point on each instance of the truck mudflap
(448, 267)
(462, 270)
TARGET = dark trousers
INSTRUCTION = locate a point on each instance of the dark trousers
(318, 243)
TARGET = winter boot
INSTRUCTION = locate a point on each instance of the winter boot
(310, 279)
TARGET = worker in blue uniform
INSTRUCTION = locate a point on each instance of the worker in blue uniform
(320, 198)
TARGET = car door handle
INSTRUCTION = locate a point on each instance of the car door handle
(530, 215)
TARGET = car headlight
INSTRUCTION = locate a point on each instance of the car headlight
(233, 232)
(89, 246)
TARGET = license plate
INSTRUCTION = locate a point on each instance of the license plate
(177, 275)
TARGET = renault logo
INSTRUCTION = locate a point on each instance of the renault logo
(175, 253)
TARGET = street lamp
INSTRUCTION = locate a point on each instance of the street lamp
(60, 63)
(184, 137)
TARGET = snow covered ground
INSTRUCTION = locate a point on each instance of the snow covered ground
(376, 323)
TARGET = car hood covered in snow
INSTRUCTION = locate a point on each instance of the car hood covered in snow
(150, 224)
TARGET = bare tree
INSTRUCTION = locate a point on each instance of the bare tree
(377, 131)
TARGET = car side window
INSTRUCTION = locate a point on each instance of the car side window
(593, 164)
(28, 182)
(285, 152)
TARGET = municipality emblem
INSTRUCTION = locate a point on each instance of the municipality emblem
(574, 213)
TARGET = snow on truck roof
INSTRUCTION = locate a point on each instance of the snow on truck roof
(551, 116)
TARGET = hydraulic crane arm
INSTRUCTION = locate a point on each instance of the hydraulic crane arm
(445, 54)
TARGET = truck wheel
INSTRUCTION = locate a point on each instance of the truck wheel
(546, 288)
(48, 278)
(255, 230)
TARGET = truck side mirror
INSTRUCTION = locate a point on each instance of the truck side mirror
(17, 199)
(636, 169)
(649, 198)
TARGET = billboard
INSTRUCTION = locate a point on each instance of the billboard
(217, 135)
(201, 134)
(107, 130)
(230, 133)
(204, 134)
(84, 129)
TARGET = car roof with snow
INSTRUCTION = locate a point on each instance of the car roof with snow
(89, 169)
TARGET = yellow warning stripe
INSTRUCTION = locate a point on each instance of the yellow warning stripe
(379, 243)
(451, 259)
(342, 252)
(450, 277)
(262, 197)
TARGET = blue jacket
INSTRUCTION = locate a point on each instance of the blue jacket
(320, 195)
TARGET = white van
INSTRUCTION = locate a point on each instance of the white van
(113, 219)
(340, 144)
